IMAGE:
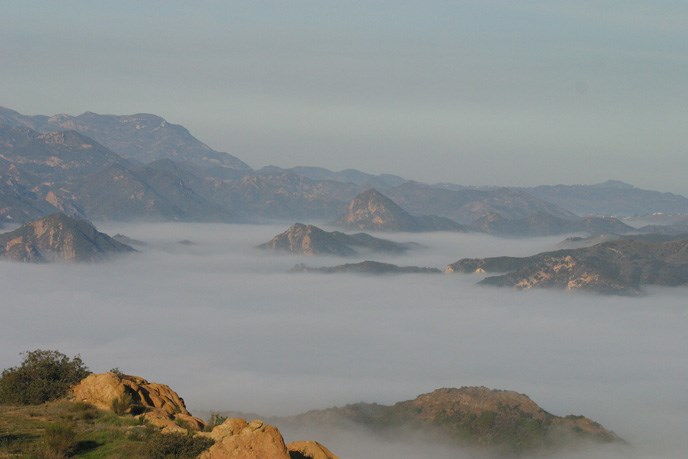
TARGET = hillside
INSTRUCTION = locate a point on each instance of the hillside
(616, 267)
(59, 238)
(366, 267)
(310, 240)
(371, 210)
(141, 137)
(610, 198)
(506, 422)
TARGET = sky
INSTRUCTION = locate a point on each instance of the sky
(229, 329)
(481, 92)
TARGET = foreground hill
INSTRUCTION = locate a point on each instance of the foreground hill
(59, 238)
(371, 210)
(117, 415)
(507, 422)
(618, 267)
(310, 240)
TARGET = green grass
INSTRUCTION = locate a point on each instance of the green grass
(97, 434)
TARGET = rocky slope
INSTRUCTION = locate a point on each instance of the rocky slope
(141, 137)
(158, 405)
(310, 240)
(506, 421)
(371, 210)
(59, 238)
(616, 267)
(366, 267)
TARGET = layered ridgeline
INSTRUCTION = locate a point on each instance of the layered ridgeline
(617, 267)
(371, 210)
(59, 238)
(310, 240)
(546, 224)
(365, 267)
(610, 198)
(141, 137)
(504, 422)
(140, 167)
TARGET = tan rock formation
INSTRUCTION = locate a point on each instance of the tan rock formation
(160, 404)
(310, 450)
(237, 439)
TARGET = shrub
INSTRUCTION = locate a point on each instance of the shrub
(215, 420)
(42, 376)
(122, 404)
(59, 440)
(176, 445)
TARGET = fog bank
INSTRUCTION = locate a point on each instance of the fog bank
(229, 329)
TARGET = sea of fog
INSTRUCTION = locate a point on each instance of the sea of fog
(229, 328)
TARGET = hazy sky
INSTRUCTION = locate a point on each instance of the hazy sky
(474, 92)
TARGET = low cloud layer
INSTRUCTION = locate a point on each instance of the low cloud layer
(228, 328)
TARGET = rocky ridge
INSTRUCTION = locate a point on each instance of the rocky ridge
(163, 408)
(311, 240)
(371, 210)
(504, 421)
(615, 267)
(366, 267)
(59, 237)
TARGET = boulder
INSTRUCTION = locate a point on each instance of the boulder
(309, 450)
(237, 439)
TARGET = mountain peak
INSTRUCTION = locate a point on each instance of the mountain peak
(59, 237)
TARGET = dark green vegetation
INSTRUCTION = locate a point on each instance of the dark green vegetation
(62, 428)
(504, 421)
(367, 267)
(59, 237)
(42, 376)
(617, 267)
(311, 240)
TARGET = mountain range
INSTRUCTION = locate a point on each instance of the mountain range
(141, 167)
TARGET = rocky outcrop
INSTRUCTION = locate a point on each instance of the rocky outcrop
(617, 267)
(505, 421)
(237, 439)
(309, 450)
(59, 238)
(371, 210)
(156, 403)
(310, 240)
(163, 408)
(366, 267)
